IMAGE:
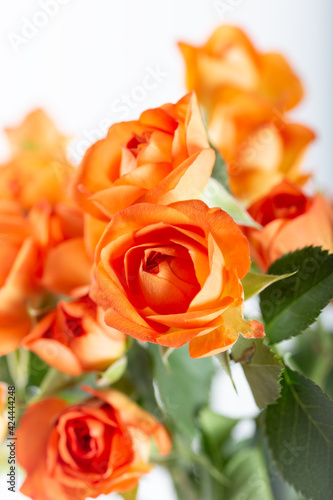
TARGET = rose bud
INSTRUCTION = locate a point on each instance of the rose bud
(96, 447)
(171, 275)
(74, 338)
(291, 221)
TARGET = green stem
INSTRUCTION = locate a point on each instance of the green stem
(23, 367)
(53, 381)
(12, 365)
(201, 460)
(18, 366)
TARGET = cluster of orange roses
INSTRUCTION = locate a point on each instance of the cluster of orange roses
(123, 246)
(247, 96)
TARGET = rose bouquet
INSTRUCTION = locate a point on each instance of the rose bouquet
(123, 281)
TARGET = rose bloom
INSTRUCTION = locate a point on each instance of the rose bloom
(260, 146)
(19, 254)
(229, 60)
(99, 446)
(38, 168)
(171, 275)
(41, 252)
(291, 220)
(161, 158)
(66, 264)
(74, 338)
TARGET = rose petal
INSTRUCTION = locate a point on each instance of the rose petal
(67, 267)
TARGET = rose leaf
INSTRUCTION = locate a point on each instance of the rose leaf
(299, 428)
(291, 305)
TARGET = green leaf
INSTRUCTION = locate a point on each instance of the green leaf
(4, 371)
(243, 350)
(224, 359)
(248, 476)
(299, 428)
(183, 386)
(140, 368)
(263, 373)
(215, 430)
(216, 195)
(37, 370)
(261, 368)
(254, 282)
(293, 304)
(113, 373)
(220, 170)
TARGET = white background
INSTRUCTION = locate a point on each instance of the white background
(90, 53)
(85, 58)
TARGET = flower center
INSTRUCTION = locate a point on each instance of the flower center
(137, 142)
(74, 325)
(151, 265)
(167, 279)
(281, 206)
(84, 440)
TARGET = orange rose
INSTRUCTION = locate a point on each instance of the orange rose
(19, 255)
(161, 158)
(99, 446)
(291, 220)
(74, 338)
(66, 266)
(41, 252)
(171, 275)
(259, 145)
(38, 168)
(37, 133)
(229, 60)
